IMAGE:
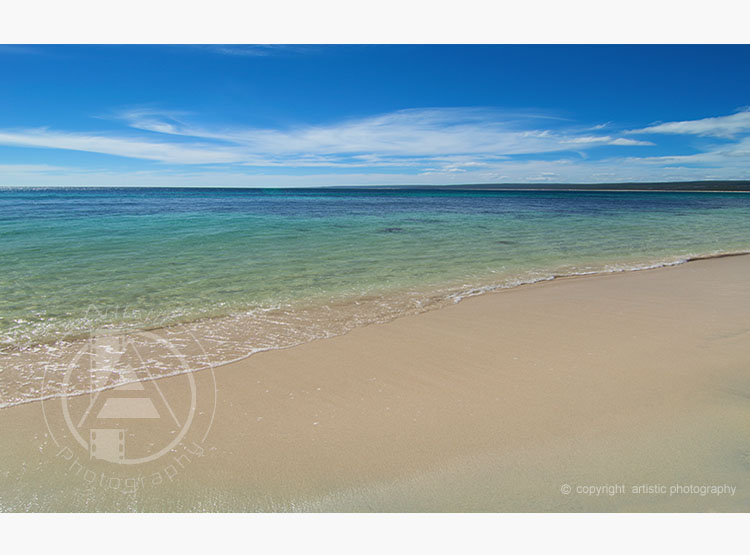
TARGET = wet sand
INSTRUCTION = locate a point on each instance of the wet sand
(493, 404)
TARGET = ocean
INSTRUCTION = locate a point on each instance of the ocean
(245, 270)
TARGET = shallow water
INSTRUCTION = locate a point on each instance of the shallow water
(223, 273)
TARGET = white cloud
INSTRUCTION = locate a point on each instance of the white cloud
(733, 156)
(722, 126)
(256, 50)
(404, 138)
(567, 170)
(423, 132)
(606, 140)
(174, 153)
(621, 141)
(19, 49)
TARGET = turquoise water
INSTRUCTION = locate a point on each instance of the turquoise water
(258, 269)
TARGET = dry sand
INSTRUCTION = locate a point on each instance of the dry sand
(493, 404)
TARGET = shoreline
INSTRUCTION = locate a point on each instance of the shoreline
(490, 404)
(444, 300)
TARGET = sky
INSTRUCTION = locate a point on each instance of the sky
(316, 115)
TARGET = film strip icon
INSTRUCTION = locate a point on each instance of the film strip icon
(107, 444)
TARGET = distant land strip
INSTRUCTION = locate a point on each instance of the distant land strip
(693, 186)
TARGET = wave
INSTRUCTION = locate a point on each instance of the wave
(39, 372)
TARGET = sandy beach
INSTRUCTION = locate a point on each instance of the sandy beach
(560, 396)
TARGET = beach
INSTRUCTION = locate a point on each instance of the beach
(618, 392)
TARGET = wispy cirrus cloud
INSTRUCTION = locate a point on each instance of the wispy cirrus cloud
(726, 127)
(449, 137)
(734, 156)
(21, 49)
(414, 132)
(509, 171)
(431, 146)
(122, 146)
(607, 140)
(256, 50)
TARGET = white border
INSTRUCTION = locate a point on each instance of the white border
(384, 21)
(376, 534)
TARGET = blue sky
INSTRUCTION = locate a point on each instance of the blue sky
(365, 115)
